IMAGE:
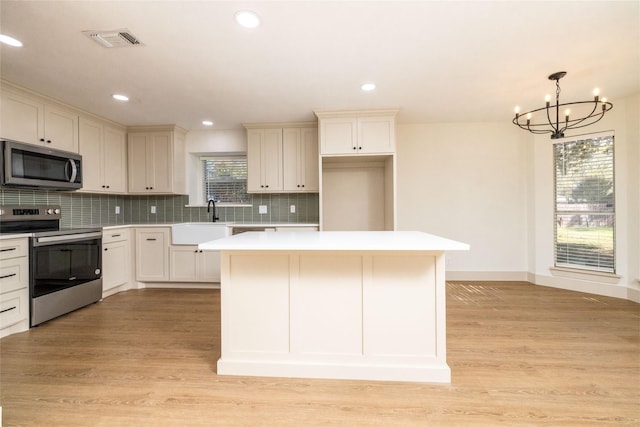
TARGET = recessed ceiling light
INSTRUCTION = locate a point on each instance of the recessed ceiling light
(207, 122)
(121, 97)
(10, 40)
(247, 19)
(368, 87)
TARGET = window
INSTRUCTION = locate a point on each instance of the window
(585, 204)
(224, 179)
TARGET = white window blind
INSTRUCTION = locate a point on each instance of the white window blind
(224, 179)
(585, 204)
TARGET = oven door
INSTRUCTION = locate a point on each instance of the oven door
(63, 261)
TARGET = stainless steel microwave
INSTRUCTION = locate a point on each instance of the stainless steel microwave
(26, 165)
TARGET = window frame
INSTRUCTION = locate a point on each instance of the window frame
(585, 268)
(203, 186)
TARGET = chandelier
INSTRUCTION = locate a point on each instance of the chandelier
(548, 119)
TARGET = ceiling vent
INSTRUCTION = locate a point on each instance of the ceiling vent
(114, 38)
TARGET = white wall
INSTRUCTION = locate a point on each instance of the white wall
(467, 182)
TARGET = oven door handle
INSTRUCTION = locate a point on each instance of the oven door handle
(50, 240)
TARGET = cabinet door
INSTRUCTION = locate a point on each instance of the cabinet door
(91, 151)
(184, 263)
(137, 151)
(114, 157)
(376, 135)
(22, 119)
(291, 176)
(160, 169)
(264, 160)
(309, 159)
(115, 264)
(60, 129)
(339, 136)
(209, 266)
(152, 254)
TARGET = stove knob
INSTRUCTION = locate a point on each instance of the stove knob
(49, 211)
(2, 212)
(56, 211)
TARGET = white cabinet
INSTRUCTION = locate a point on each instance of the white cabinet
(14, 286)
(104, 152)
(152, 254)
(300, 159)
(156, 160)
(359, 132)
(28, 119)
(264, 160)
(282, 158)
(190, 264)
(116, 260)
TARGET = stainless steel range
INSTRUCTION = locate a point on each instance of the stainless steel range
(65, 265)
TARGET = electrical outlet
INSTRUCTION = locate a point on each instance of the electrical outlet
(153, 209)
(262, 209)
(117, 210)
(292, 209)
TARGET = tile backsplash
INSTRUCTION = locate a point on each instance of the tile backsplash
(83, 209)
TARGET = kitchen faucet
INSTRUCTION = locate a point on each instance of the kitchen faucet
(211, 202)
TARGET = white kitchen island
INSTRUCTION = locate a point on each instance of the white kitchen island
(334, 304)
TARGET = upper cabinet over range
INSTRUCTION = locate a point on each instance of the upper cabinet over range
(27, 118)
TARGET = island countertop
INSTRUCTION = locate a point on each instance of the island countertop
(336, 241)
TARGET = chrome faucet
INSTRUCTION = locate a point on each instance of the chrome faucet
(211, 202)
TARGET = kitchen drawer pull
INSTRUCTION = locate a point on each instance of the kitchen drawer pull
(152, 240)
(8, 275)
(115, 235)
(8, 309)
(8, 249)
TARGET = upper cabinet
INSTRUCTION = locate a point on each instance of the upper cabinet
(29, 119)
(357, 132)
(104, 157)
(282, 158)
(156, 158)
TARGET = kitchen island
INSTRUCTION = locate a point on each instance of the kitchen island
(334, 304)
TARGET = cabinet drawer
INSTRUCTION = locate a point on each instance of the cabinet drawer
(14, 307)
(116, 235)
(13, 248)
(14, 274)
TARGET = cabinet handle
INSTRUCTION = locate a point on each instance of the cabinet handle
(103, 186)
(115, 235)
(108, 186)
(106, 249)
(8, 249)
(355, 148)
(152, 240)
(8, 275)
(41, 139)
(8, 309)
(302, 185)
(359, 148)
(196, 251)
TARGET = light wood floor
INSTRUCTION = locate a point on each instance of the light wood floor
(520, 355)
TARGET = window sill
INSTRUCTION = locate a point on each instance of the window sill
(223, 205)
(576, 273)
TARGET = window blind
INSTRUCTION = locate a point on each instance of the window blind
(585, 204)
(225, 179)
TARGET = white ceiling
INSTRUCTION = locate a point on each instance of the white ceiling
(435, 60)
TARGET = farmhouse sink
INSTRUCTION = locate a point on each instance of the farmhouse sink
(193, 233)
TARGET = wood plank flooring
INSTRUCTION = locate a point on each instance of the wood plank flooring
(520, 355)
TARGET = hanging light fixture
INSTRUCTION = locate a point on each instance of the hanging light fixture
(548, 119)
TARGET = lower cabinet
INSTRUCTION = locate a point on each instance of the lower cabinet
(187, 263)
(116, 259)
(14, 286)
(152, 254)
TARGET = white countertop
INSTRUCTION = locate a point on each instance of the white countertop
(336, 241)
